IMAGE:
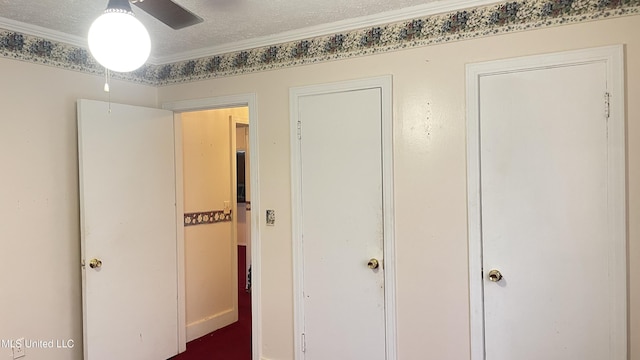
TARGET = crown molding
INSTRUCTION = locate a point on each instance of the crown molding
(431, 8)
(42, 32)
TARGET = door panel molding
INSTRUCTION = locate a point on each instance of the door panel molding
(613, 58)
(250, 101)
(384, 83)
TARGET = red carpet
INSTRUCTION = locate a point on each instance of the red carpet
(232, 342)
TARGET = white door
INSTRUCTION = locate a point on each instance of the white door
(545, 214)
(128, 222)
(342, 225)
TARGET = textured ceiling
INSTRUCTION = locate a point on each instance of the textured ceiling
(226, 22)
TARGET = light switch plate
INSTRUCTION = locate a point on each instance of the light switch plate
(271, 217)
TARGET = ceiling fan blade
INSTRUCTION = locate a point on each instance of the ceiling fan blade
(170, 13)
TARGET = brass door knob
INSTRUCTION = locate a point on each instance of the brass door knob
(95, 263)
(373, 264)
(495, 275)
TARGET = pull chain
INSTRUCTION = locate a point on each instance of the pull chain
(106, 86)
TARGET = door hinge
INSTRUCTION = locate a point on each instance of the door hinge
(607, 105)
(304, 343)
(299, 130)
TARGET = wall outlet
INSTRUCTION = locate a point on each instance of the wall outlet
(18, 349)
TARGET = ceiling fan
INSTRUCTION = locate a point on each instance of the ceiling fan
(168, 12)
(120, 42)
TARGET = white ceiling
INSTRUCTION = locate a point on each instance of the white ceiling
(229, 25)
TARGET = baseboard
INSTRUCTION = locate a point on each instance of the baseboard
(204, 326)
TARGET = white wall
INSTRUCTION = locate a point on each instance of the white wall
(39, 206)
(430, 176)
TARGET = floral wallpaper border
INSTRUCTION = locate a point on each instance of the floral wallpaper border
(206, 217)
(505, 17)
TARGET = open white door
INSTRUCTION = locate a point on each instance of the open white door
(128, 231)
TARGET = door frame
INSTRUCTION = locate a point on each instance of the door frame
(221, 102)
(613, 58)
(235, 122)
(384, 83)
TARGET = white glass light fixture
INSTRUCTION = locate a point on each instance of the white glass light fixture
(117, 40)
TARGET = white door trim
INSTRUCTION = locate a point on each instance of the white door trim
(250, 101)
(384, 83)
(179, 161)
(613, 58)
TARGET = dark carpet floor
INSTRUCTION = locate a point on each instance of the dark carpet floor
(232, 342)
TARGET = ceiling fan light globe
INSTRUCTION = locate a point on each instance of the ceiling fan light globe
(119, 41)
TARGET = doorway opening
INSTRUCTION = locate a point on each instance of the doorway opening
(216, 230)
